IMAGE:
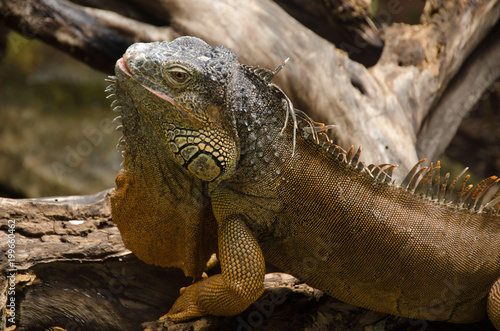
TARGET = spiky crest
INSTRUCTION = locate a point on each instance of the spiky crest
(263, 73)
(421, 181)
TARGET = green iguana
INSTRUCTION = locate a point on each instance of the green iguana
(216, 159)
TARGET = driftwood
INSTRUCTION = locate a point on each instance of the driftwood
(399, 90)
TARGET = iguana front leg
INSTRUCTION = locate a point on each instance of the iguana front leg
(240, 283)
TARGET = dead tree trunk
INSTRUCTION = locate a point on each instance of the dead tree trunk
(400, 91)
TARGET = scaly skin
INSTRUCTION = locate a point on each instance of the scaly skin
(216, 159)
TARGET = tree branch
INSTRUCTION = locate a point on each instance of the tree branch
(477, 74)
(381, 108)
(94, 36)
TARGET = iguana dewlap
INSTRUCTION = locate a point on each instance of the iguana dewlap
(217, 160)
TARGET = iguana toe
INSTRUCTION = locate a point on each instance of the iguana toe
(185, 307)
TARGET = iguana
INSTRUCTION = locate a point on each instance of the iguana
(217, 160)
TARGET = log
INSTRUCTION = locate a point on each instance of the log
(72, 271)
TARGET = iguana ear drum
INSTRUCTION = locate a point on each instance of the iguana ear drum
(199, 152)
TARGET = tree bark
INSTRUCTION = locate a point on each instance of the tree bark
(72, 271)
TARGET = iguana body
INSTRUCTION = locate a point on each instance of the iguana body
(217, 161)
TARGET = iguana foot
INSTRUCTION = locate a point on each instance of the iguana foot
(186, 306)
(212, 296)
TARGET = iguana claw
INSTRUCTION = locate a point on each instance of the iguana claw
(186, 306)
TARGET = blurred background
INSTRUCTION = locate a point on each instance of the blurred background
(56, 135)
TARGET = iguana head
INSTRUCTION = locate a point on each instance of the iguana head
(180, 87)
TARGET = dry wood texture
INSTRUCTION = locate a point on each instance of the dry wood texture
(73, 272)
(399, 90)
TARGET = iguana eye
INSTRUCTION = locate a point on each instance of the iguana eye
(178, 75)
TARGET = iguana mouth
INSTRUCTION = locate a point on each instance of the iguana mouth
(124, 67)
(163, 96)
